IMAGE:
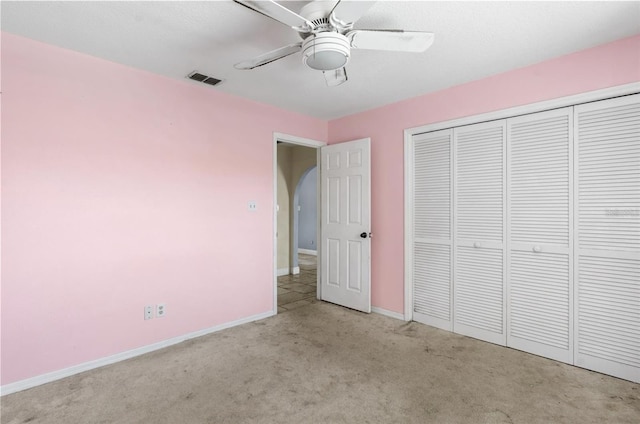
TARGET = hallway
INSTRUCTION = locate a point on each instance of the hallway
(295, 291)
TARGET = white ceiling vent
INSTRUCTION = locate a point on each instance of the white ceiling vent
(197, 76)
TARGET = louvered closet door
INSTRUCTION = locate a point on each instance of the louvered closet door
(608, 237)
(539, 311)
(432, 229)
(478, 277)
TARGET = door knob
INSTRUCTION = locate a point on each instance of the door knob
(363, 235)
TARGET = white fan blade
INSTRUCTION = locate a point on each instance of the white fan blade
(391, 40)
(335, 77)
(269, 57)
(348, 12)
(278, 12)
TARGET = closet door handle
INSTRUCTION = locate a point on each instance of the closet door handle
(477, 245)
(537, 249)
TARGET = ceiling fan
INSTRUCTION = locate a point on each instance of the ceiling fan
(326, 28)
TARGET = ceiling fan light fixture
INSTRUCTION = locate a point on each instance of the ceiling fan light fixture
(326, 51)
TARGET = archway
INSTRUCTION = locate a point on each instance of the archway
(305, 216)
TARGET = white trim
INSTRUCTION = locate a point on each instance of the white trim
(292, 139)
(590, 96)
(282, 271)
(388, 313)
(76, 369)
(319, 223)
(275, 224)
(295, 270)
(408, 225)
(308, 252)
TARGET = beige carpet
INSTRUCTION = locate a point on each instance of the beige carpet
(326, 364)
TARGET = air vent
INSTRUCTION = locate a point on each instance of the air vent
(321, 25)
(197, 76)
(321, 21)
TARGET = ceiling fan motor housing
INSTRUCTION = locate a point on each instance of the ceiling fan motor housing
(326, 51)
(317, 9)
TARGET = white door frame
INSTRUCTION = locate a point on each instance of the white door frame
(307, 142)
(586, 97)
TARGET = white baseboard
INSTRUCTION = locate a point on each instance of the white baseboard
(387, 313)
(283, 271)
(287, 271)
(76, 369)
(308, 252)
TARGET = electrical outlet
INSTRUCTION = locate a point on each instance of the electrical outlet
(161, 310)
(148, 312)
(253, 206)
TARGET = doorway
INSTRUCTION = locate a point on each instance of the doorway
(298, 288)
(296, 222)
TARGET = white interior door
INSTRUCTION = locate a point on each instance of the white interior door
(608, 236)
(540, 234)
(479, 231)
(345, 228)
(432, 228)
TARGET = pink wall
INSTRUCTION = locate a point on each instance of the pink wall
(609, 65)
(120, 189)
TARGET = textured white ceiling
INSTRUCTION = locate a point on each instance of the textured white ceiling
(473, 40)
